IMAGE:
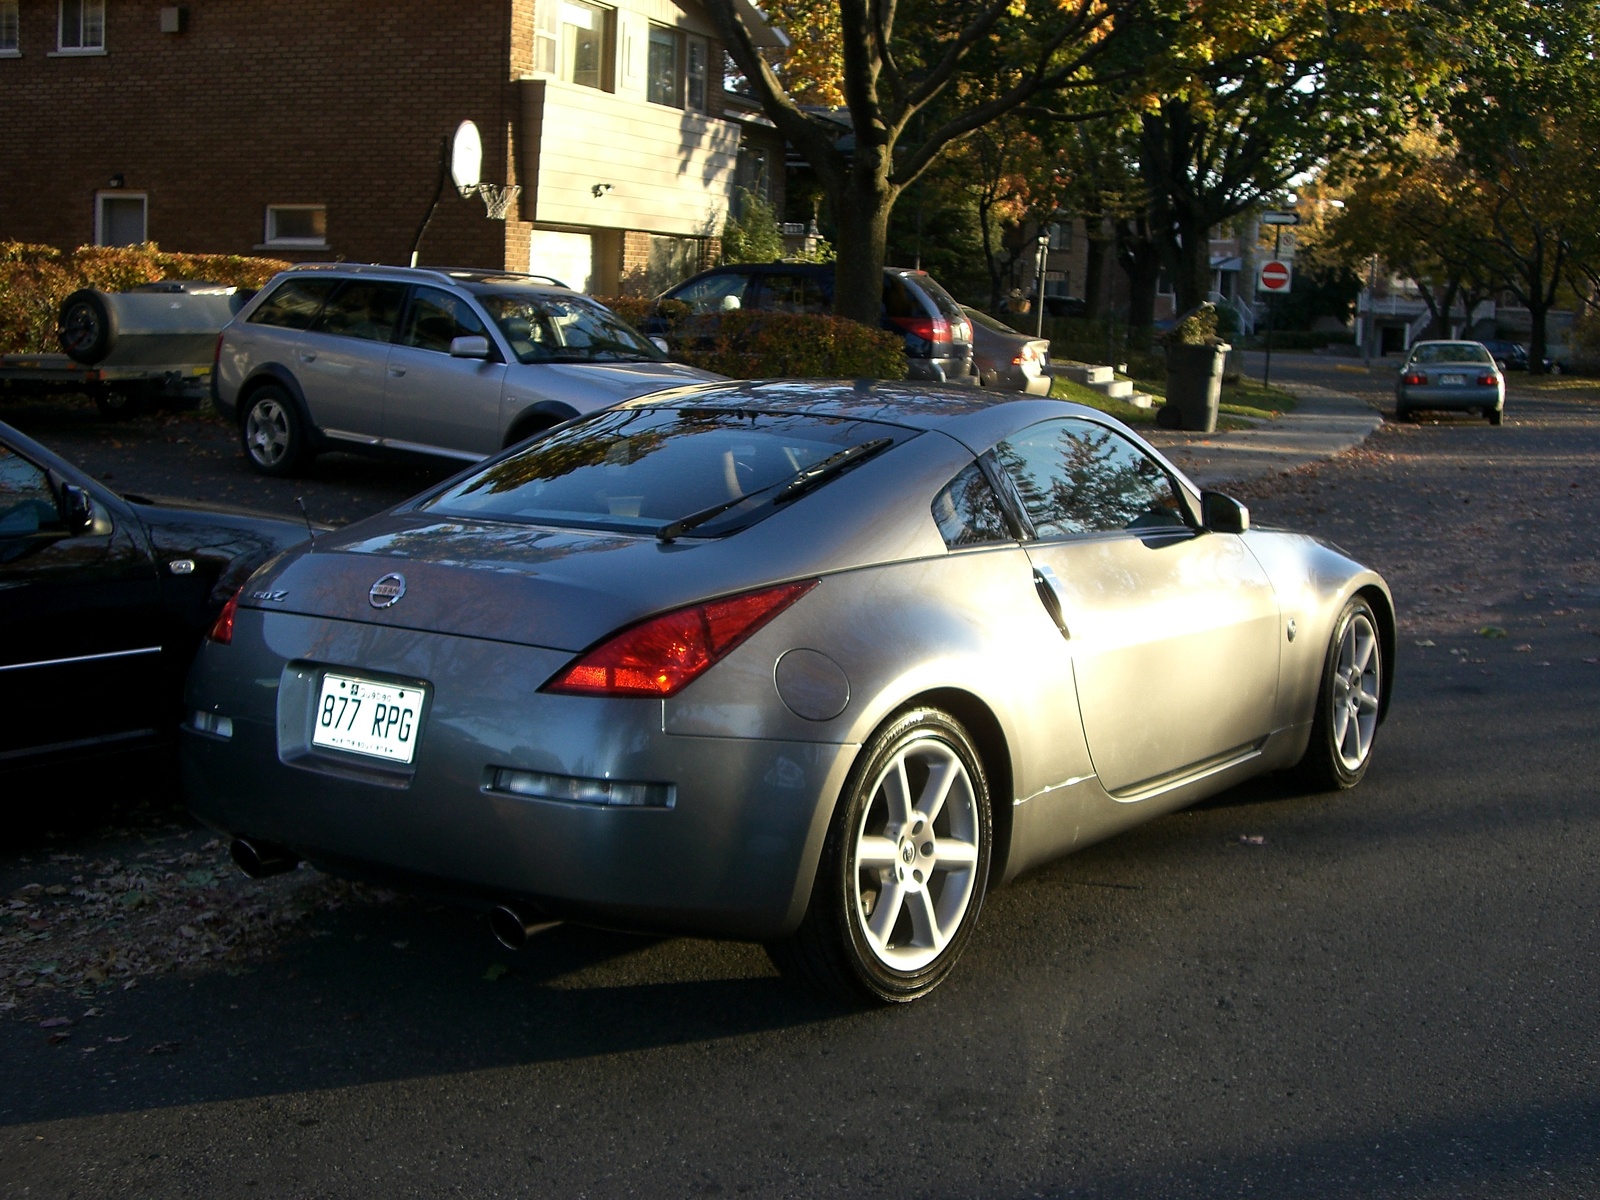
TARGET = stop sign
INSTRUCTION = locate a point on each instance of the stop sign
(1275, 275)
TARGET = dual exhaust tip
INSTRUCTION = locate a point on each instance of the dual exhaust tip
(512, 927)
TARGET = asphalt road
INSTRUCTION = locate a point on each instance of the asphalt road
(1395, 993)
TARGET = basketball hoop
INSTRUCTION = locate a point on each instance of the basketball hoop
(497, 200)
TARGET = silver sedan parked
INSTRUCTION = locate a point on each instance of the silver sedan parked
(1451, 375)
(1007, 359)
(814, 664)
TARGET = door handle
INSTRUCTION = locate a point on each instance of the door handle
(304, 357)
(1049, 589)
(397, 371)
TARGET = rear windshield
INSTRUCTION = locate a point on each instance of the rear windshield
(988, 322)
(566, 329)
(942, 299)
(1450, 352)
(640, 469)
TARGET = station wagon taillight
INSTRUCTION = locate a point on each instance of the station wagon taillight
(661, 656)
(929, 329)
(221, 630)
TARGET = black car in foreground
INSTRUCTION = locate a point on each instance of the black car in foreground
(103, 600)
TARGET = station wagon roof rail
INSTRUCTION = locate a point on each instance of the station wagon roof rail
(444, 274)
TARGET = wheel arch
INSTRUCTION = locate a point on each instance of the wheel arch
(537, 417)
(1383, 608)
(275, 375)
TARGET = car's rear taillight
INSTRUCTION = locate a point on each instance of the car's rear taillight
(1413, 378)
(663, 655)
(1487, 380)
(221, 630)
(929, 329)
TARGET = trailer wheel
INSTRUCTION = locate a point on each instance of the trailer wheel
(118, 404)
(86, 327)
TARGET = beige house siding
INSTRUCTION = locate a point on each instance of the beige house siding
(668, 171)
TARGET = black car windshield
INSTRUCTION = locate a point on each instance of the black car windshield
(555, 328)
(1450, 352)
(644, 469)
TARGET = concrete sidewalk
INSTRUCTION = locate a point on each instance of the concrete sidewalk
(1323, 424)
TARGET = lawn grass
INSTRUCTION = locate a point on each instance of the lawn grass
(1244, 402)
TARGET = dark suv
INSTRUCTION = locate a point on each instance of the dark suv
(937, 333)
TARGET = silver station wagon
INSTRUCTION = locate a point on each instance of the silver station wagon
(441, 362)
(809, 663)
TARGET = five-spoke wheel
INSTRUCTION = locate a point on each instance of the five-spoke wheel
(271, 433)
(904, 868)
(1349, 703)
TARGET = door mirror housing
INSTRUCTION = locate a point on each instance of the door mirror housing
(77, 510)
(474, 346)
(1221, 513)
(660, 343)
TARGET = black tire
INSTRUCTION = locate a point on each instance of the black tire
(1403, 413)
(532, 427)
(271, 432)
(86, 327)
(118, 404)
(940, 868)
(1497, 416)
(1345, 727)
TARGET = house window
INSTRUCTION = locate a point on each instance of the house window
(665, 72)
(297, 225)
(119, 219)
(8, 29)
(1060, 236)
(82, 26)
(697, 58)
(753, 173)
(546, 35)
(585, 38)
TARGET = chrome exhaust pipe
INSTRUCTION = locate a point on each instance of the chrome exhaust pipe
(512, 928)
(260, 859)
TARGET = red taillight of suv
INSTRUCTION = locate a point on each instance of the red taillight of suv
(929, 329)
(663, 655)
(1415, 378)
(221, 630)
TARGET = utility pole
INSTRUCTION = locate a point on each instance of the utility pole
(1038, 287)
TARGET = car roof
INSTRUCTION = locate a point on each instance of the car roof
(473, 278)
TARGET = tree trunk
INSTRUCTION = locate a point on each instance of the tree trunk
(861, 213)
(1189, 254)
(1141, 264)
(1096, 245)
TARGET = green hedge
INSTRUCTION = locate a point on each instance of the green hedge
(772, 345)
(34, 280)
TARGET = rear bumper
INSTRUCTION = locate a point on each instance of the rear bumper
(1434, 397)
(734, 855)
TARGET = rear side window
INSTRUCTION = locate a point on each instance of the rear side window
(437, 318)
(899, 300)
(968, 512)
(295, 303)
(1075, 477)
(794, 291)
(362, 308)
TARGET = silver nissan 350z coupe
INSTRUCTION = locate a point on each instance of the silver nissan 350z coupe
(813, 664)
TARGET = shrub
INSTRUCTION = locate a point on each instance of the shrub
(753, 235)
(767, 345)
(34, 280)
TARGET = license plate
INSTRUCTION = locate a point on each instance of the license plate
(364, 717)
(1453, 380)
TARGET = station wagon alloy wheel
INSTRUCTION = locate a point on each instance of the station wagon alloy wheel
(271, 433)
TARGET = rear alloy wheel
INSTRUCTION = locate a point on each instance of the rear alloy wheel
(903, 870)
(273, 438)
(1348, 702)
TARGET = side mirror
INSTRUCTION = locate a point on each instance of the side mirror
(77, 510)
(730, 303)
(660, 343)
(475, 346)
(1223, 514)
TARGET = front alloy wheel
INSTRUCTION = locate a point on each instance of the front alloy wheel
(271, 433)
(1348, 703)
(904, 868)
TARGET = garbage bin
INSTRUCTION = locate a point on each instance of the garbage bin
(1194, 386)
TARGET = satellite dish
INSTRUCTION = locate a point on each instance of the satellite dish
(466, 158)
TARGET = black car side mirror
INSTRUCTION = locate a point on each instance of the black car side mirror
(77, 510)
(1221, 513)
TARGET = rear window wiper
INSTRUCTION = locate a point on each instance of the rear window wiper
(787, 489)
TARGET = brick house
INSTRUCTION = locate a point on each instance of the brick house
(317, 130)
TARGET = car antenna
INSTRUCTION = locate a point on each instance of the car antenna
(300, 503)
